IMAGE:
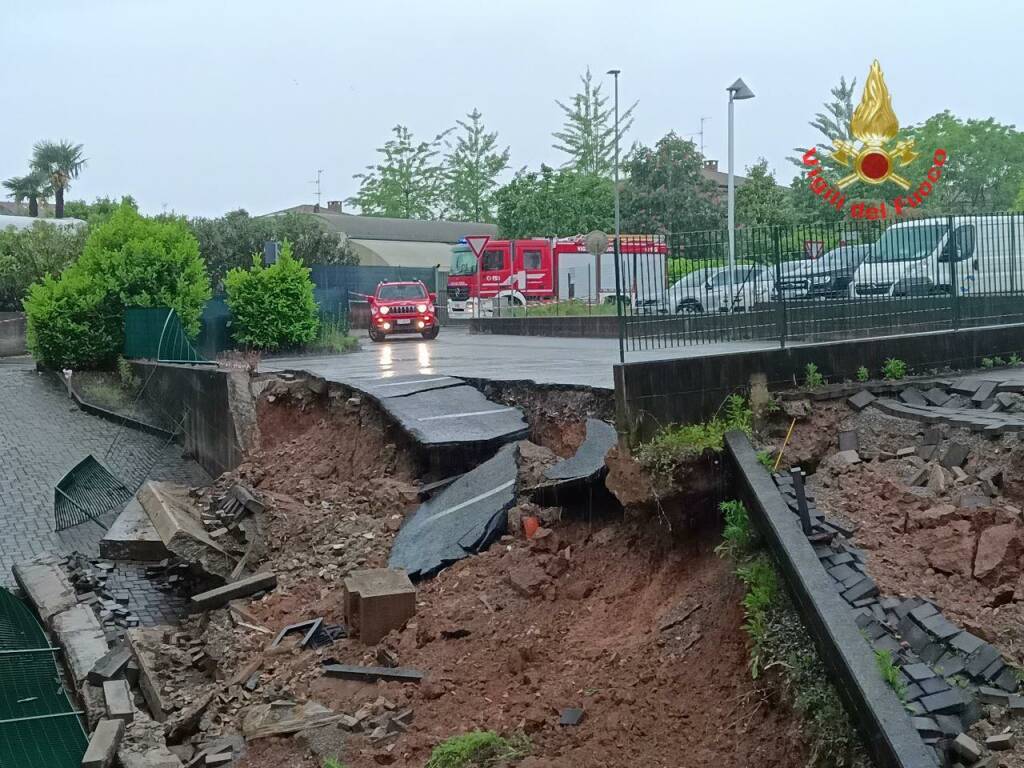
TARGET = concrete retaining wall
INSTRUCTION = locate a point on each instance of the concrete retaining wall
(652, 394)
(885, 727)
(596, 327)
(216, 407)
(12, 334)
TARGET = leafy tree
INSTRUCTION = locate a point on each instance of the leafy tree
(666, 192)
(34, 187)
(27, 255)
(273, 307)
(984, 169)
(554, 203)
(130, 261)
(473, 165)
(588, 135)
(61, 162)
(1018, 204)
(407, 183)
(230, 240)
(99, 210)
(760, 201)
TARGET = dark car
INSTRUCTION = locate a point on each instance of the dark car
(829, 277)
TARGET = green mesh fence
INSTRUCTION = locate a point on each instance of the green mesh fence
(38, 724)
(156, 333)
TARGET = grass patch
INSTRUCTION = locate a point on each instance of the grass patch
(894, 369)
(677, 443)
(1014, 359)
(781, 646)
(333, 337)
(478, 749)
(331, 762)
(890, 673)
(766, 459)
(570, 308)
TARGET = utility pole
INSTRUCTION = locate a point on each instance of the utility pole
(316, 181)
(615, 249)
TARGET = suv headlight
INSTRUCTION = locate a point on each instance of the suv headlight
(421, 308)
(384, 310)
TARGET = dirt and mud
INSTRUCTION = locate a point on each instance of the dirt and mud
(640, 629)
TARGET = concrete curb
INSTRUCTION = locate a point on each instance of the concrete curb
(885, 727)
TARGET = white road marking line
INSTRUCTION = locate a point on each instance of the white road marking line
(416, 381)
(468, 502)
(460, 415)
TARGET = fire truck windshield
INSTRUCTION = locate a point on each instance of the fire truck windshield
(463, 263)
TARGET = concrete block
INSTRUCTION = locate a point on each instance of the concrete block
(133, 537)
(142, 642)
(79, 633)
(119, 700)
(912, 396)
(46, 585)
(215, 598)
(967, 748)
(861, 400)
(111, 666)
(1000, 742)
(170, 511)
(378, 601)
(989, 695)
(103, 744)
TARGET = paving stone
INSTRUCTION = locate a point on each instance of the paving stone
(940, 627)
(932, 653)
(988, 695)
(949, 725)
(955, 455)
(936, 396)
(119, 700)
(864, 588)
(923, 611)
(912, 396)
(103, 744)
(984, 391)
(1007, 680)
(913, 635)
(1000, 742)
(967, 748)
(981, 659)
(912, 692)
(948, 702)
(861, 400)
(918, 672)
(111, 666)
(993, 670)
(848, 440)
(925, 725)
(933, 685)
(926, 452)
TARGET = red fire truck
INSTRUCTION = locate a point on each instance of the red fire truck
(538, 270)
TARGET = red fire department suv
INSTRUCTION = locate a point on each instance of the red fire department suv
(403, 308)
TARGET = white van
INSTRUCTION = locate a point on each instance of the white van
(976, 254)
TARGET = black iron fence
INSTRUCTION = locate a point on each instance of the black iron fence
(822, 281)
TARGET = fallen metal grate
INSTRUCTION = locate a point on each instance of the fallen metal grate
(86, 493)
(38, 724)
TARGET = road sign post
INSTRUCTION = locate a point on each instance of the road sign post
(476, 244)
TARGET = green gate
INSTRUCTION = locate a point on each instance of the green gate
(156, 333)
(38, 724)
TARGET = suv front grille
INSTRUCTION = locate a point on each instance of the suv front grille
(403, 309)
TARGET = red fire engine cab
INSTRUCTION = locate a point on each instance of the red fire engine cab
(516, 272)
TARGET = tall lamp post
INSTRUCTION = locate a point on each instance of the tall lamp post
(615, 250)
(737, 91)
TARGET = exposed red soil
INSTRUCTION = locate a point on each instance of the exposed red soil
(500, 660)
(926, 542)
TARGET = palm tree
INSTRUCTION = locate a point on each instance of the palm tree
(33, 187)
(60, 162)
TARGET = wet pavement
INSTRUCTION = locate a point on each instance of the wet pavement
(456, 352)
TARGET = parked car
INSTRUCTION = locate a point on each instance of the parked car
(707, 290)
(827, 277)
(402, 307)
(971, 255)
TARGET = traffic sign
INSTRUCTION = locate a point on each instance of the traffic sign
(477, 243)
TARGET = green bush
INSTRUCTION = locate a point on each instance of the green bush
(894, 369)
(676, 443)
(812, 377)
(29, 255)
(738, 535)
(863, 374)
(130, 261)
(273, 307)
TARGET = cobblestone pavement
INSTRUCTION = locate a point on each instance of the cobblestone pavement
(42, 436)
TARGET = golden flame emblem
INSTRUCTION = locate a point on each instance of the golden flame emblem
(874, 124)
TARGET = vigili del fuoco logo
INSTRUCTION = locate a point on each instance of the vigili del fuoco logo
(875, 158)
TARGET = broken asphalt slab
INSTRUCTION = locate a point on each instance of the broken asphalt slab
(455, 416)
(460, 521)
(584, 467)
(402, 386)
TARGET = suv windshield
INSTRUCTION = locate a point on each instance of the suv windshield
(906, 243)
(401, 292)
(463, 263)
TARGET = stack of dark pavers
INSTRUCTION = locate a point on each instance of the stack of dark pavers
(946, 671)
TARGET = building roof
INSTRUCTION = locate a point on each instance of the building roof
(26, 222)
(383, 228)
(402, 253)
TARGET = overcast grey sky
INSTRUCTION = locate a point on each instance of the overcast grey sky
(206, 106)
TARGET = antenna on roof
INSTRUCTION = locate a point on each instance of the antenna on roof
(701, 134)
(317, 182)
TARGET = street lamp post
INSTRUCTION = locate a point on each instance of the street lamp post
(615, 250)
(737, 90)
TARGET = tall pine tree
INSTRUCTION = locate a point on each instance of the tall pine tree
(407, 183)
(588, 136)
(473, 165)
